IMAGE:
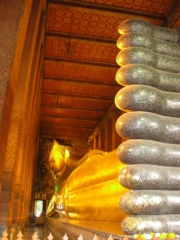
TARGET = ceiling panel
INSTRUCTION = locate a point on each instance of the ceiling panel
(75, 102)
(151, 6)
(85, 21)
(78, 71)
(68, 122)
(65, 130)
(81, 49)
(71, 113)
(76, 89)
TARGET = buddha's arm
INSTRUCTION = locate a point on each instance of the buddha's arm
(92, 191)
(51, 210)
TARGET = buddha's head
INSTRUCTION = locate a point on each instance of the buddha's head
(58, 158)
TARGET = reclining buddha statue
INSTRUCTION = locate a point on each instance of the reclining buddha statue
(87, 188)
(150, 73)
(148, 162)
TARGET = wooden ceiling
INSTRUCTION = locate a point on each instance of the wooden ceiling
(80, 60)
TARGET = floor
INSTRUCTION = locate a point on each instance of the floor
(59, 227)
(35, 231)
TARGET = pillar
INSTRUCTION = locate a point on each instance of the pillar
(109, 135)
(103, 139)
(118, 139)
(21, 63)
(97, 141)
(14, 17)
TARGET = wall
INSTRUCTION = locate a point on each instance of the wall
(21, 43)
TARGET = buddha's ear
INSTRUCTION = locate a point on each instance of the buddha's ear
(66, 154)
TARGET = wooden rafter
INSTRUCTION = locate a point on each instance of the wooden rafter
(70, 80)
(108, 8)
(93, 63)
(73, 109)
(79, 96)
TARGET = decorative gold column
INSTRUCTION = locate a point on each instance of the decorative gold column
(118, 139)
(109, 135)
(33, 123)
(22, 162)
(94, 142)
(15, 17)
(103, 139)
(12, 188)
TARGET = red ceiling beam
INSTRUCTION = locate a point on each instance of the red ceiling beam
(80, 130)
(70, 80)
(84, 123)
(51, 129)
(64, 137)
(61, 126)
(77, 118)
(93, 63)
(74, 108)
(108, 8)
(70, 96)
(81, 37)
(80, 96)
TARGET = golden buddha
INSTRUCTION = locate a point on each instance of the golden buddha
(87, 188)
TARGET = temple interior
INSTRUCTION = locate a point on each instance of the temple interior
(57, 87)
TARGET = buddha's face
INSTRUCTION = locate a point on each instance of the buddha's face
(57, 162)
